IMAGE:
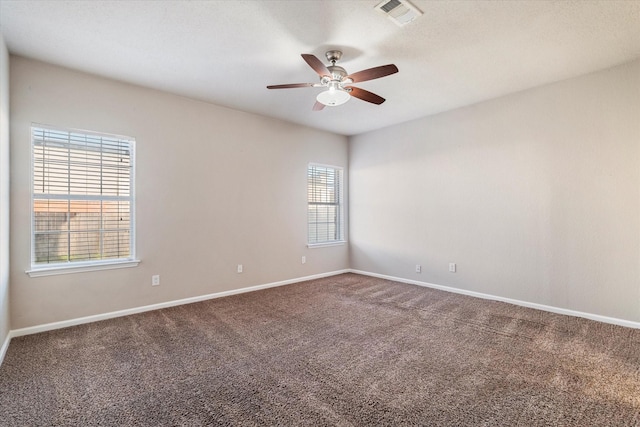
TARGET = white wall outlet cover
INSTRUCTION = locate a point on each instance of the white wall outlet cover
(239, 268)
(155, 280)
(452, 267)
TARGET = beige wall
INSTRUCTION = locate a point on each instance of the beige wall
(535, 196)
(4, 193)
(215, 188)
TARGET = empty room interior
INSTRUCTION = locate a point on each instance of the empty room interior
(320, 213)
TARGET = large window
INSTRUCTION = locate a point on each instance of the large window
(82, 199)
(325, 212)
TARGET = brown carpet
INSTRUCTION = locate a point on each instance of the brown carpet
(347, 350)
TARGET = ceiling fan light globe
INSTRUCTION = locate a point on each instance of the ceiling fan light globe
(331, 98)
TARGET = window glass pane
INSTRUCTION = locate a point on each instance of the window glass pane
(84, 246)
(116, 244)
(51, 248)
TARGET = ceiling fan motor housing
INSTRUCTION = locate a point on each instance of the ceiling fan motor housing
(337, 72)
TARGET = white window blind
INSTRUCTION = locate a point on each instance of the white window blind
(325, 211)
(82, 209)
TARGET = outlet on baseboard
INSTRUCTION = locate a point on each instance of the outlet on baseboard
(155, 280)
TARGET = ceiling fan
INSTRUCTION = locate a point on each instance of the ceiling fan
(337, 82)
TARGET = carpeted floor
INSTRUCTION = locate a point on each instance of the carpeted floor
(347, 350)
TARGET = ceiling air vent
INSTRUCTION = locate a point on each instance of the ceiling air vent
(399, 11)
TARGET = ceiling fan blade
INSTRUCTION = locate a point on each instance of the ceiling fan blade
(289, 86)
(365, 95)
(316, 64)
(318, 106)
(373, 73)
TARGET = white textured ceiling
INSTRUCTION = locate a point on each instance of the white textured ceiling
(227, 52)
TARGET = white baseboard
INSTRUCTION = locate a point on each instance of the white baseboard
(97, 317)
(557, 310)
(5, 347)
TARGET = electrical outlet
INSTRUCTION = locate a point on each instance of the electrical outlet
(239, 268)
(155, 280)
(452, 267)
(304, 259)
(418, 268)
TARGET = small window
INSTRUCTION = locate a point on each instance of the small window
(82, 198)
(325, 211)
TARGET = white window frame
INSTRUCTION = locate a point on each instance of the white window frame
(68, 267)
(340, 220)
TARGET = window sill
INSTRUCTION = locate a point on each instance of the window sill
(80, 268)
(323, 245)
